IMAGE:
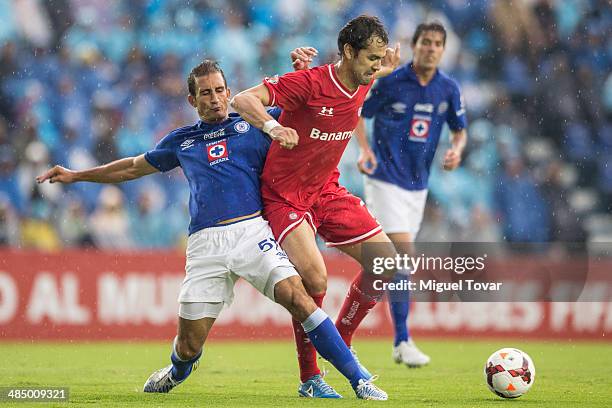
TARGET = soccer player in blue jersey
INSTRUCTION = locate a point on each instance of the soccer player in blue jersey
(409, 108)
(222, 157)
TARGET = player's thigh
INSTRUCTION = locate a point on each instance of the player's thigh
(301, 247)
(207, 275)
(258, 258)
(343, 218)
(403, 242)
(364, 252)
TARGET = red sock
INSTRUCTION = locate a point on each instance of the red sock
(306, 353)
(359, 300)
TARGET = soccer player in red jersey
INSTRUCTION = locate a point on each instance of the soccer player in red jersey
(300, 188)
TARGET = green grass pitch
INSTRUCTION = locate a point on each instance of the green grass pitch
(264, 374)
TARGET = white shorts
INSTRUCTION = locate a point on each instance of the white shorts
(396, 209)
(218, 256)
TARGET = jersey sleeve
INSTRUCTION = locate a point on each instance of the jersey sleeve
(289, 91)
(456, 112)
(375, 99)
(164, 157)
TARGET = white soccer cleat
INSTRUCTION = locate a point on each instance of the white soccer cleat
(161, 381)
(368, 391)
(408, 353)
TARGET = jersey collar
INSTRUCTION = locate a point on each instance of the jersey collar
(412, 74)
(203, 125)
(336, 81)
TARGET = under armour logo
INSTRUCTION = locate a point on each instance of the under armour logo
(325, 111)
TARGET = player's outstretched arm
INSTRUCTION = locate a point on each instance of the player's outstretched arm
(250, 104)
(129, 168)
(390, 62)
(367, 162)
(452, 158)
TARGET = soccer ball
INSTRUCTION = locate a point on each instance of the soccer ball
(509, 373)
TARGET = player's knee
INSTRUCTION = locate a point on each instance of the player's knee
(313, 276)
(301, 305)
(315, 284)
(292, 295)
(302, 301)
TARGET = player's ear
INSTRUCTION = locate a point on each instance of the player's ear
(229, 92)
(348, 52)
(192, 100)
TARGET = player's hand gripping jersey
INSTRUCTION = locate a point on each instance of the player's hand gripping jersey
(324, 114)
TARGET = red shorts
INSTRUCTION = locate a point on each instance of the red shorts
(337, 216)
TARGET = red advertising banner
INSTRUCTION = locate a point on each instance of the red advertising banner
(91, 295)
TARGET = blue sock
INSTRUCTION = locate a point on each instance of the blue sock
(399, 305)
(326, 339)
(181, 368)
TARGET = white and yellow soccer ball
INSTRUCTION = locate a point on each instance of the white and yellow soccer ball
(509, 373)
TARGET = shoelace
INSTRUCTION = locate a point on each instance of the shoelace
(323, 386)
(371, 388)
(323, 367)
(170, 383)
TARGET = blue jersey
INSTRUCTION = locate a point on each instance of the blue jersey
(408, 120)
(222, 163)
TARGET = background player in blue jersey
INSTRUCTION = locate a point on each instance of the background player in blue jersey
(222, 156)
(409, 108)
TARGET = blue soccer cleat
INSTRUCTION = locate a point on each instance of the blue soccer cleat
(368, 391)
(162, 380)
(316, 387)
(364, 370)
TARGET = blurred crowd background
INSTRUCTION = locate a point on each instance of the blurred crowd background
(85, 82)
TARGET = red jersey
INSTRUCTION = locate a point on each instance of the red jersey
(324, 113)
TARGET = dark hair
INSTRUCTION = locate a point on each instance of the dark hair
(206, 67)
(433, 26)
(358, 31)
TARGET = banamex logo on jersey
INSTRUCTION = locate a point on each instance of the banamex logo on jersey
(217, 152)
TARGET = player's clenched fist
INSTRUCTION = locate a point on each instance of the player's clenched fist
(451, 160)
(57, 174)
(367, 162)
(286, 136)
